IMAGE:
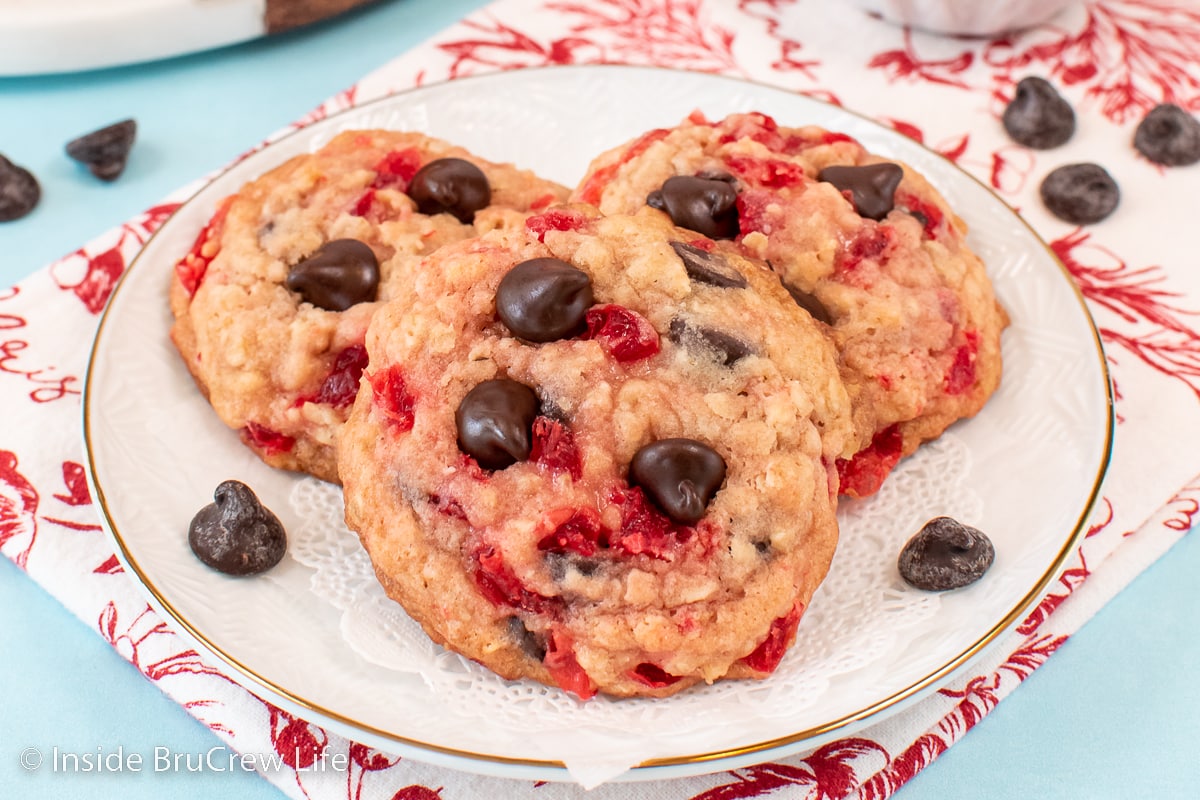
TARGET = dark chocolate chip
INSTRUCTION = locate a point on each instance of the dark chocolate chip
(495, 422)
(763, 548)
(105, 151)
(809, 302)
(729, 349)
(945, 554)
(452, 186)
(1169, 136)
(680, 476)
(544, 300)
(532, 644)
(711, 268)
(19, 191)
(1080, 193)
(342, 273)
(872, 187)
(1038, 116)
(236, 534)
(705, 205)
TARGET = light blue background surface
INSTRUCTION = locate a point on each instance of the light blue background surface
(1114, 714)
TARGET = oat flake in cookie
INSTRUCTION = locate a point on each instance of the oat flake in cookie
(865, 245)
(631, 505)
(272, 303)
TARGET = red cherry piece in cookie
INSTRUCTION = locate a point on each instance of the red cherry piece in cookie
(501, 587)
(652, 675)
(554, 219)
(450, 186)
(872, 187)
(544, 300)
(392, 398)
(961, 375)
(555, 449)
(564, 668)
(340, 274)
(495, 422)
(862, 475)
(644, 529)
(625, 334)
(581, 533)
(396, 169)
(769, 172)
(766, 657)
(341, 384)
(193, 266)
(265, 440)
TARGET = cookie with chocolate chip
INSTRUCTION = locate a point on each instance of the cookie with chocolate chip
(865, 245)
(272, 302)
(598, 453)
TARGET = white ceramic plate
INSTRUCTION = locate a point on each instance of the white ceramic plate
(48, 36)
(1032, 460)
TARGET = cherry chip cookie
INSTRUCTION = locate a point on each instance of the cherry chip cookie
(272, 303)
(599, 454)
(866, 246)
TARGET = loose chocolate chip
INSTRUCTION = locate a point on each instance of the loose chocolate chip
(1080, 193)
(104, 152)
(1169, 136)
(679, 475)
(342, 273)
(544, 300)
(495, 422)
(711, 268)
(945, 554)
(729, 349)
(532, 644)
(450, 185)
(809, 302)
(706, 205)
(236, 534)
(1038, 116)
(19, 191)
(872, 187)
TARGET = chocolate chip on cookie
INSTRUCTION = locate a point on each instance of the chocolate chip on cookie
(340, 274)
(705, 204)
(727, 348)
(236, 534)
(705, 267)
(872, 187)
(1038, 116)
(450, 185)
(945, 554)
(809, 302)
(680, 476)
(495, 422)
(1169, 136)
(544, 300)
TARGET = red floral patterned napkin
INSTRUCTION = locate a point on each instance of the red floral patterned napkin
(1113, 60)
